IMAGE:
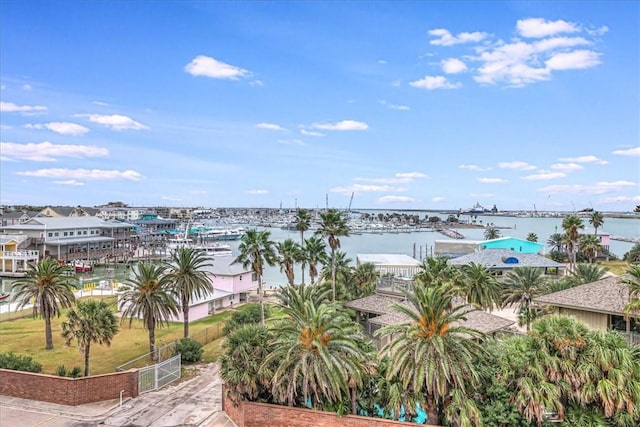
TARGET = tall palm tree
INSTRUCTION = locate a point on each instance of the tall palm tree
(480, 287)
(149, 297)
(590, 245)
(89, 322)
(492, 233)
(556, 241)
(316, 352)
(438, 271)
(596, 219)
(289, 252)
(521, 286)
(333, 225)
(632, 280)
(314, 253)
(303, 223)
(572, 225)
(431, 352)
(532, 237)
(47, 284)
(186, 274)
(257, 249)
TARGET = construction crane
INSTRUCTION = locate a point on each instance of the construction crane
(350, 202)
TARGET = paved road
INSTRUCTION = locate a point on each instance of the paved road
(195, 402)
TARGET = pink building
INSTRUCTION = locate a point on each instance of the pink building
(231, 285)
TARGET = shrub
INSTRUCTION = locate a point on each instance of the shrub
(61, 371)
(190, 350)
(76, 372)
(18, 362)
(246, 315)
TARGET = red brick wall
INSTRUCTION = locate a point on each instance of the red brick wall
(68, 391)
(251, 414)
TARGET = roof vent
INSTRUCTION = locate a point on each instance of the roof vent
(510, 260)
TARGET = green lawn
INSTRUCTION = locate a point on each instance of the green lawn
(26, 336)
(616, 267)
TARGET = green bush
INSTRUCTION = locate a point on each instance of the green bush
(246, 315)
(190, 350)
(76, 372)
(61, 371)
(18, 362)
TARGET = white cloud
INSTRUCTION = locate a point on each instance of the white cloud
(631, 152)
(71, 182)
(209, 67)
(10, 107)
(453, 66)
(573, 60)
(557, 43)
(382, 61)
(445, 38)
(26, 87)
(567, 167)
(114, 121)
(482, 195)
(544, 176)
(491, 180)
(257, 192)
(584, 159)
(84, 174)
(48, 152)
(5, 127)
(270, 126)
(434, 82)
(342, 125)
(396, 199)
(597, 188)
(517, 165)
(411, 175)
(258, 83)
(361, 188)
(394, 106)
(437, 199)
(540, 27)
(474, 168)
(311, 132)
(100, 103)
(63, 128)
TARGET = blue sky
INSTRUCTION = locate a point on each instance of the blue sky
(412, 105)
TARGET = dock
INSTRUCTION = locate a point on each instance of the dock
(451, 233)
(625, 239)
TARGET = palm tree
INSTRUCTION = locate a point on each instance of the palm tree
(317, 351)
(303, 223)
(632, 308)
(633, 256)
(492, 233)
(48, 286)
(187, 276)
(314, 253)
(289, 252)
(596, 219)
(521, 286)
(438, 271)
(590, 245)
(333, 226)
(431, 352)
(257, 249)
(556, 241)
(90, 322)
(149, 298)
(572, 225)
(587, 273)
(480, 287)
(532, 237)
(364, 280)
(244, 350)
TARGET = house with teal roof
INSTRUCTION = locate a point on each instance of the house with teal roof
(511, 243)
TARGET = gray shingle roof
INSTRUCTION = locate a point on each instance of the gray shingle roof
(494, 259)
(380, 304)
(604, 296)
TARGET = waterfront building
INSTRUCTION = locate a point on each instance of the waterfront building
(67, 211)
(511, 243)
(14, 262)
(398, 265)
(503, 260)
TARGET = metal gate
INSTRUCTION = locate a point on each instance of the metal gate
(159, 375)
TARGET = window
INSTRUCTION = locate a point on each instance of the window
(84, 232)
(71, 233)
(65, 234)
(254, 277)
(56, 234)
(50, 234)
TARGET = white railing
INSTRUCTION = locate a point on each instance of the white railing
(19, 254)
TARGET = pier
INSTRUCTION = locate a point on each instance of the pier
(625, 239)
(451, 233)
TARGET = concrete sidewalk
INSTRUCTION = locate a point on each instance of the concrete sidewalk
(194, 402)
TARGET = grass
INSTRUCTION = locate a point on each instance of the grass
(26, 336)
(617, 267)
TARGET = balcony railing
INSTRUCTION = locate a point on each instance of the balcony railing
(19, 254)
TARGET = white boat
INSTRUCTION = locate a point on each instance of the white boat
(216, 250)
(218, 234)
